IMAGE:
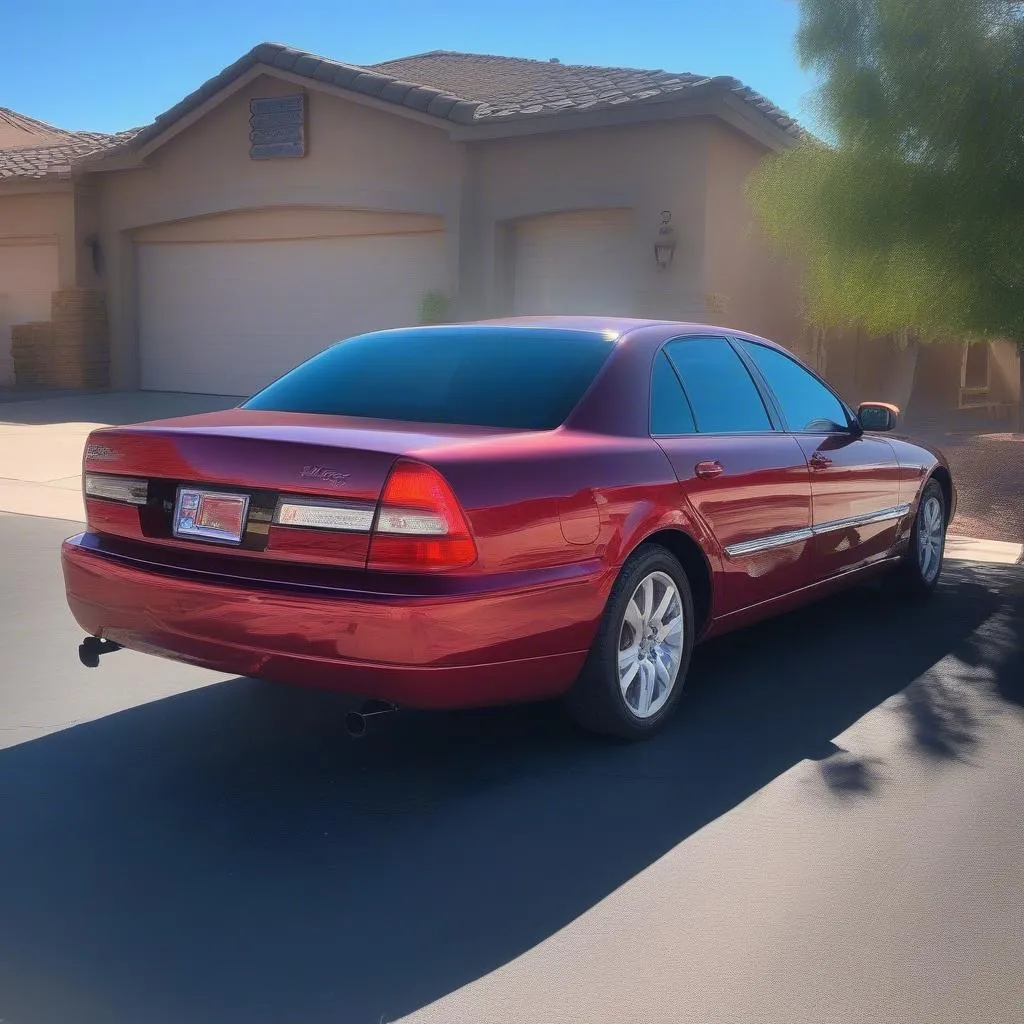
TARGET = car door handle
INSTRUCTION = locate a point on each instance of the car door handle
(708, 470)
(819, 461)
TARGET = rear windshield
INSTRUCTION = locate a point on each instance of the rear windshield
(525, 378)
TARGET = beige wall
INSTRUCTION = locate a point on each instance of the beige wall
(749, 285)
(41, 217)
(642, 168)
(358, 158)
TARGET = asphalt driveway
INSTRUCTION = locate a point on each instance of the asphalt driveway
(830, 830)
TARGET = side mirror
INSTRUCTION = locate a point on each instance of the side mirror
(877, 416)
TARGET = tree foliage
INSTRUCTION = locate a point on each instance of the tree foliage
(912, 213)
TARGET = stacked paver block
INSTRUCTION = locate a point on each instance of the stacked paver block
(81, 342)
(70, 351)
(32, 352)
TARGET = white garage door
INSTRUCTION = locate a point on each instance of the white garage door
(228, 318)
(28, 277)
(575, 263)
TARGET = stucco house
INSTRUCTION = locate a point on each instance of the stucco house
(293, 200)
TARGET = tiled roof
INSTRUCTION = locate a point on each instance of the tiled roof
(506, 87)
(31, 149)
(513, 87)
(20, 130)
(474, 89)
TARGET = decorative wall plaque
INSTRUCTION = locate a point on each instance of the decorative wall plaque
(277, 127)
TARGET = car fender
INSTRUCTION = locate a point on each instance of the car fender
(919, 463)
(648, 518)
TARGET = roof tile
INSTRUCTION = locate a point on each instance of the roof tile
(420, 98)
(441, 106)
(344, 74)
(266, 52)
(307, 65)
(53, 160)
(395, 92)
(369, 83)
(286, 57)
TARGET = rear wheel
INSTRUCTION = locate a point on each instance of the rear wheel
(919, 571)
(635, 671)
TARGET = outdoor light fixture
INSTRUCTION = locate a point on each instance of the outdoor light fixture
(92, 243)
(665, 246)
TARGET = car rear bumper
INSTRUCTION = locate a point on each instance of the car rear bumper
(455, 650)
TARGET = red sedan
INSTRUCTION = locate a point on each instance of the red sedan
(483, 513)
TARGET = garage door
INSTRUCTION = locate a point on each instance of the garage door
(228, 318)
(28, 277)
(575, 263)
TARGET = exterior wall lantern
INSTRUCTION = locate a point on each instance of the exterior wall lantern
(92, 243)
(665, 244)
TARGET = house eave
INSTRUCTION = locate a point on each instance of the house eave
(56, 182)
(713, 103)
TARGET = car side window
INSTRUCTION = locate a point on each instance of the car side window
(723, 395)
(807, 405)
(670, 411)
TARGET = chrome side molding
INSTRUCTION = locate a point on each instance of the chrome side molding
(778, 540)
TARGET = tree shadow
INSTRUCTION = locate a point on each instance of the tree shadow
(229, 854)
(943, 724)
(847, 775)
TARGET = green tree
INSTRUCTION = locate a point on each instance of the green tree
(911, 212)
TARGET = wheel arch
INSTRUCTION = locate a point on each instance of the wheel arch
(944, 478)
(696, 565)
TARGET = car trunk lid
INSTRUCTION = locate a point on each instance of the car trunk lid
(267, 458)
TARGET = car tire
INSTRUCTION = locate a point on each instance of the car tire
(649, 615)
(921, 566)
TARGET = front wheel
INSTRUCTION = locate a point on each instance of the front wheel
(635, 671)
(919, 571)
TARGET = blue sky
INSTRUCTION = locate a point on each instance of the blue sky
(106, 65)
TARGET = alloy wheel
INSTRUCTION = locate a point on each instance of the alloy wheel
(651, 644)
(930, 538)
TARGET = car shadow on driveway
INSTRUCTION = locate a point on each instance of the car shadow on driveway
(230, 855)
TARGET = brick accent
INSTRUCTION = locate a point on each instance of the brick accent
(81, 342)
(32, 350)
(70, 351)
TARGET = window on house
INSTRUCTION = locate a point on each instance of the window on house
(975, 374)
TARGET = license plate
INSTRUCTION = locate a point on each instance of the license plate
(210, 515)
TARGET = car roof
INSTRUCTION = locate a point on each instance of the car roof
(654, 330)
(621, 327)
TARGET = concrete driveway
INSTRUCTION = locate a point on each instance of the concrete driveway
(830, 830)
(41, 442)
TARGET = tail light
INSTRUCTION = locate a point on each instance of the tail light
(420, 524)
(127, 489)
